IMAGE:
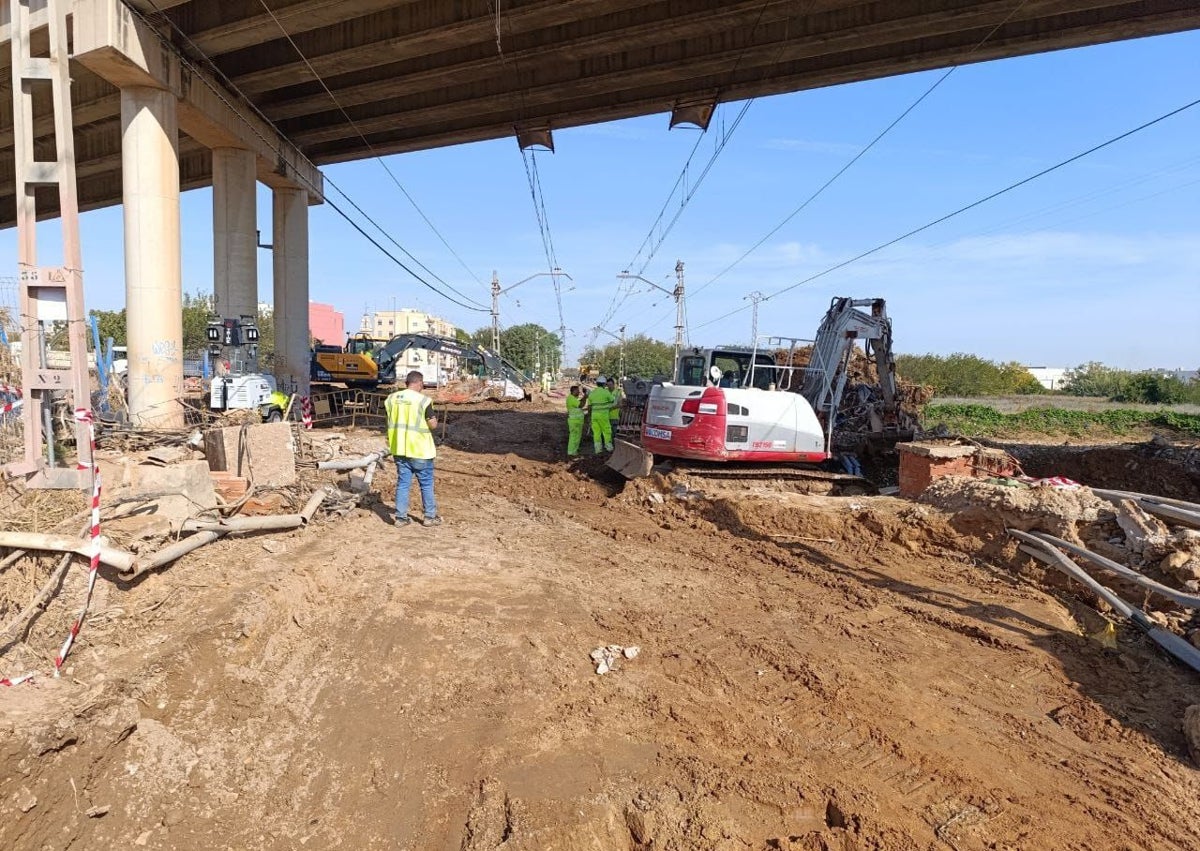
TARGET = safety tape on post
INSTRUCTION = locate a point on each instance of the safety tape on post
(15, 399)
(306, 412)
(84, 415)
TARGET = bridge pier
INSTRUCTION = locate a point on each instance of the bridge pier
(153, 267)
(290, 241)
(235, 233)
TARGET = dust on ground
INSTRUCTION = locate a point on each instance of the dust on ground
(815, 673)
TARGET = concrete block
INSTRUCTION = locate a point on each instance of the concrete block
(263, 453)
(177, 492)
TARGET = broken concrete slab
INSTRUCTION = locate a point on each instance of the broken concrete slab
(264, 453)
(176, 492)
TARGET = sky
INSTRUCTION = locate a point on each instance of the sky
(1099, 260)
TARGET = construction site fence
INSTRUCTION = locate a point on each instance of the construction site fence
(349, 408)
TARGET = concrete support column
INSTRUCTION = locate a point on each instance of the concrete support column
(235, 233)
(290, 240)
(153, 268)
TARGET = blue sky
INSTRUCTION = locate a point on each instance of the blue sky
(1097, 261)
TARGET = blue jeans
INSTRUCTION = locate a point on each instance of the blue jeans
(422, 468)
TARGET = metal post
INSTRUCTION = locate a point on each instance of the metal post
(755, 297)
(678, 298)
(622, 357)
(495, 312)
(54, 293)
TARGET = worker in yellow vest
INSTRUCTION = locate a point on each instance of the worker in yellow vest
(574, 421)
(600, 402)
(410, 424)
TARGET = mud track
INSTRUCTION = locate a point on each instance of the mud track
(815, 673)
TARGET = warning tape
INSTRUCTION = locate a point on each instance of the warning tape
(306, 415)
(82, 415)
(15, 400)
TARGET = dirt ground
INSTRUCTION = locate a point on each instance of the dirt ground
(814, 673)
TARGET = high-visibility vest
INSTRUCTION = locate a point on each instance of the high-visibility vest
(409, 435)
(574, 412)
(600, 400)
(614, 413)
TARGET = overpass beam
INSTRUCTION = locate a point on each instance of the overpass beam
(290, 241)
(235, 233)
(153, 266)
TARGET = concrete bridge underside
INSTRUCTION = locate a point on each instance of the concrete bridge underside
(176, 94)
(426, 73)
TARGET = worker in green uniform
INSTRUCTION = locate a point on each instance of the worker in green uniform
(599, 403)
(574, 421)
(614, 413)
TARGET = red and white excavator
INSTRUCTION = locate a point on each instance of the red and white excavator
(750, 405)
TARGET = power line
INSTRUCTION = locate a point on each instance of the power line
(378, 159)
(862, 152)
(220, 95)
(970, 206)
(687, 195)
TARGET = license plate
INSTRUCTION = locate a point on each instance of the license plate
(659, 433)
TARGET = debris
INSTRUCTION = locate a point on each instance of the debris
(176, 492)
(143, 837)
(1191, 731)
(231, 488)
(263, 452)
(98, 811)
(605, 658)
(273, 546)
(24, 799)
(1143, 532)
(166, 455)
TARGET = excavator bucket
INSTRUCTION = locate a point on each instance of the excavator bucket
(630, 460)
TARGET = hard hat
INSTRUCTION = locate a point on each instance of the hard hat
(601, 380)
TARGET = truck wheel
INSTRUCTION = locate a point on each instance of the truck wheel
(274, 416)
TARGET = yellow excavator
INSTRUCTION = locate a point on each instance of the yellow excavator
(354, 365)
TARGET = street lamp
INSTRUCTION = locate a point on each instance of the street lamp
(497, 292)
(676, 294)
(621, 338)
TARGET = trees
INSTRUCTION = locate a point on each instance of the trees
(644, 357)
(524, 345)
(961, 374)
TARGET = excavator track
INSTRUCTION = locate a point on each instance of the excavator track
(841, 483)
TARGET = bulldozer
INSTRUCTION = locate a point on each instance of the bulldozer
(745, 406)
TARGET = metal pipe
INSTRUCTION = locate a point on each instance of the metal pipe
(119, 559)
(369, 475)
(1170, 512)
(1161, 500)
(1169, 641)
(310, 507)
(1187, 600)
(350, 463)
(169, 554)
(245, 524)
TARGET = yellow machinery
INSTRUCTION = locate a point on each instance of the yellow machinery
(354, 365)
(588, 371)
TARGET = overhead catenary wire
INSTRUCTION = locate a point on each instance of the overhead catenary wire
(849, 164)
(682, 180)
(246, 102)
(378, 158)
(533, 177)
(979, 202)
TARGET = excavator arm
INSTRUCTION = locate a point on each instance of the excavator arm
(391, 352)
(846, 322)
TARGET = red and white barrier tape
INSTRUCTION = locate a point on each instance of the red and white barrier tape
(82, 415)
(13, 393)
(306, 411)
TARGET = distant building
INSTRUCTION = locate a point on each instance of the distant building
(1187, 376)
(437, 368)
(326, 324)
(1050, 377)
